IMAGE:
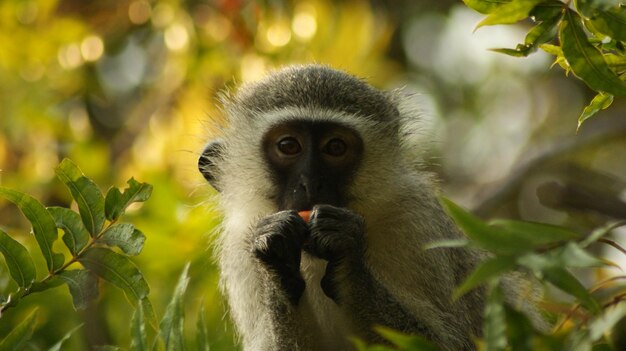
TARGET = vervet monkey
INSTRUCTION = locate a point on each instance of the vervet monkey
(311, 138)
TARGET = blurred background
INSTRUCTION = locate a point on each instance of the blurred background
(129, 88)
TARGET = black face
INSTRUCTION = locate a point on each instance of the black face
(312, 162)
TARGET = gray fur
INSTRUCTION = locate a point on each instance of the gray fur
(387, 277)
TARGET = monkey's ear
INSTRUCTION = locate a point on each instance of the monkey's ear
(207, 163)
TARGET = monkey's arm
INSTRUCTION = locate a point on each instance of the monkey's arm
(276, 245)
(337, 236)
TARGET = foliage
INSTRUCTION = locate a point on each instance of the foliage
(90, 236)
(591, 37)
(594, 320)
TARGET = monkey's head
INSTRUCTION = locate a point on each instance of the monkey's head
(306, 135)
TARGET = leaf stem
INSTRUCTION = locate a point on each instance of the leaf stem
(21, 293)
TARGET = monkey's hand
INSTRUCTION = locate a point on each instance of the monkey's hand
(336, 236)
(277, 244)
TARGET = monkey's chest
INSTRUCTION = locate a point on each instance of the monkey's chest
(323, 319)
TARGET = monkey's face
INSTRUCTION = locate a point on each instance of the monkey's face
(311, 162)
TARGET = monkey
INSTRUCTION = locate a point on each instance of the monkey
(313, 138)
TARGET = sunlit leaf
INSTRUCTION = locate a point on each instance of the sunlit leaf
(76, 235)
(494, 326)
(59, 345)
(552, 49)
(124, 236)
(511, 12)
(611, 22)
(172, 323)
(20, 334)
(117, 202)
(486, 271)
(83, 286)
(484, 236)
(406, 342)
(18, 260)
(118, 270)
(485, 6)
(43, 224)
(585, 60)
(202, 338)
(598, 103)
(139, 337)
(565, 281)
(447, 243)
(520, 51)
(86, 194)
(604, 322)
(601, 232)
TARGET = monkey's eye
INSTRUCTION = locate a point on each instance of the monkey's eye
(336, 147)
(289, 146)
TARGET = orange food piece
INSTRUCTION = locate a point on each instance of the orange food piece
(306, 215)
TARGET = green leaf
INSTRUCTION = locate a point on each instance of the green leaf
(83, 286)
(547, 10)
(59, 345)
(172, 323)
(139, 338)
(484, 236)
(43, 225)
(446, 244)
(406, 342)
(21, 266)
(601, 232)
(585, 60)
(611, 23)
(598, 103)
(20, 334)
(126, 237)
(552, 49)
(485, 6)
(589, 8)
(86, 194)
(538, 233)
(494, 326)
(565, 281)
(116, 202)
(543, 32)
(519, 330)
(487, 270)
(520, 51)
(509, 13)
(572, 255)
(117, 270)
(76, 235)
(603, 323)
(202, 338)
